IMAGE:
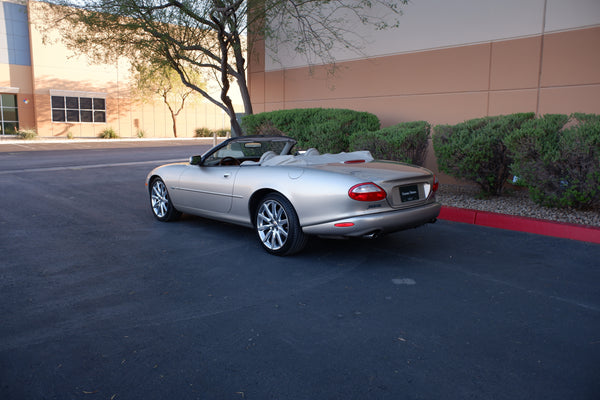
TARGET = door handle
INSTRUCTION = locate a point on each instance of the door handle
(226, 174)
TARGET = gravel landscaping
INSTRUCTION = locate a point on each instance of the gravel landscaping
(514, 202)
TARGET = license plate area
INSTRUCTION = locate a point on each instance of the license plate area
(409, 193)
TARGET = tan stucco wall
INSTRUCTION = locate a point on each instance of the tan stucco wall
(19, 77)
(558, 72)
(56, 68)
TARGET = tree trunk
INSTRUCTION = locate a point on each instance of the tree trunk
(236, 129)
(174, 118)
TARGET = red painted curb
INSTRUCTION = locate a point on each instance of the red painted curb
(521, 224)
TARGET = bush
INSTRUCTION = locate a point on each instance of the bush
(558, 158)
(327, 137)
(108, 133)
(325, 129)
(267, 128)
(205, 132)
(475, 150)
(27, 134)
(405, 142)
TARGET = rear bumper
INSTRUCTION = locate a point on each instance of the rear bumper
(374, 224)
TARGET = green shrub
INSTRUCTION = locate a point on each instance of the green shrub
(108, 133)
(27, 134)
(405, 142)
(558, 158)
(323, 128)
(267, 128)
(474, 150)
(327, 137)
(203, 132)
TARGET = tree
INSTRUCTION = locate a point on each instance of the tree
(164, 82)
(189, 35)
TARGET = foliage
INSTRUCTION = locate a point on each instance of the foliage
(475, 150)
(405, 142)
(190, 36)
(326, 129)
(315, 29)
(154, 80)
(558, 158)
(205, 132)
(267, 128)
(108, 133)
(27, 134)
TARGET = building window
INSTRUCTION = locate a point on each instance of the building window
(78, 109)
(9, 116)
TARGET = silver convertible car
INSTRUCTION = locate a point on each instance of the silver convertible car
(260, 182)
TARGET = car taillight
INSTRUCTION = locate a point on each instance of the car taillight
(436, 184)
(354, 161)
(366, 192)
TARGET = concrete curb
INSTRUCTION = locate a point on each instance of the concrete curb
(522, 224)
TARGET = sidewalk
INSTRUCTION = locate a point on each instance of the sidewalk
(63, 143)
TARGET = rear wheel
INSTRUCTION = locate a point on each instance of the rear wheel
(161, 204)
(278, 227)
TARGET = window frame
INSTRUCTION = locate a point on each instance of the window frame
(67, 108)
(14, 107)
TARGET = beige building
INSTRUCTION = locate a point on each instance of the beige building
(46, 87)
(450, 61)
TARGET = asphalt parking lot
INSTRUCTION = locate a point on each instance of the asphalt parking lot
(100, 301)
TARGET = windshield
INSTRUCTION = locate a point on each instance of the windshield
(249, 149)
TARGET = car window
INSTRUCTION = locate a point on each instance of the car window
(244, 151)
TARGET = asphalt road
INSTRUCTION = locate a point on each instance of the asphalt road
(100, 301)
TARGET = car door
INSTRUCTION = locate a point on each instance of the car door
(207, 188)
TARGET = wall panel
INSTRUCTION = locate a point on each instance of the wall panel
(512, 101)
(571, 58)
(440, 85)
(515, 64)
(566, 100)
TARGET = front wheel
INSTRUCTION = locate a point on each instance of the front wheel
(278, 227)
(161, 204)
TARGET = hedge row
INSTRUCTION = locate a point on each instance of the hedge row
(205, 132)
(323, 128)
(337, 130)
(406, 142)
(475, 150)
(557, 157)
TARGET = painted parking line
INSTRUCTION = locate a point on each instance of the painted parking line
(79, 167)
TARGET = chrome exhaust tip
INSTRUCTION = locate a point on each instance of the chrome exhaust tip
(372, 235)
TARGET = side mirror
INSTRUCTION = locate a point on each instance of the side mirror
(195, 160)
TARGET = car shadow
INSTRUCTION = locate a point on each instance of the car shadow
(408, 242)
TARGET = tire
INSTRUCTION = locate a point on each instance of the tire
(278, 227)
(160, 202)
